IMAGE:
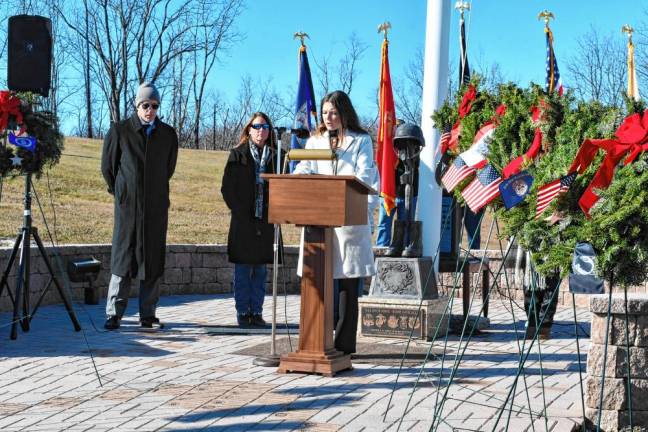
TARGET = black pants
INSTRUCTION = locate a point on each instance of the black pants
(539, 303)
(347, 323)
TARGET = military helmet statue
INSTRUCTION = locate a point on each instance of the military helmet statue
(407, 132)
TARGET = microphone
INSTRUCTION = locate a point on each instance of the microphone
(300, 133)
(333, 142)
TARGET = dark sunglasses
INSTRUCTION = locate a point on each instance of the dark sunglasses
(147, 105)
(258, 126)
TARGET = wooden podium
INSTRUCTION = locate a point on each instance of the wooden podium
(319, 203)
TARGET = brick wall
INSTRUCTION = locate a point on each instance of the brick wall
(204, 269)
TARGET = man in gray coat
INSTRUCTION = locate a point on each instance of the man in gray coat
(138, 160)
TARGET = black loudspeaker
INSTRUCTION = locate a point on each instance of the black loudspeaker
(30, 54)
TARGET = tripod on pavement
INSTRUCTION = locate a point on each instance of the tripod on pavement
(21, 297)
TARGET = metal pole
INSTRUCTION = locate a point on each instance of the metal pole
(435, 87)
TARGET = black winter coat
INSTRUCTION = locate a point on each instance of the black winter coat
(250, 240)
(137, 170)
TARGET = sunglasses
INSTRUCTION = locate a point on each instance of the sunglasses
(258, 126)
(147, 105)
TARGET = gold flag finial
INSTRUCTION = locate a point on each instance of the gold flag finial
(629, 30)
(462, 6)
(546, 15)
(384, 27)
(301, 36)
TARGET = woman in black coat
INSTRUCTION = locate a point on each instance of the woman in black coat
(250, 239)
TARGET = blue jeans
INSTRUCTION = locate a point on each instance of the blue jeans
(385, 221)
(249, 288)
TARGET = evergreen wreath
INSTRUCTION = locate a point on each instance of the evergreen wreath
(43, 126)
(618, 221)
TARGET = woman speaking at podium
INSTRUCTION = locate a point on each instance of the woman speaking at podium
(353, 258)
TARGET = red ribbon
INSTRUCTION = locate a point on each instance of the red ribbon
(515, 166)
(464, 110)
(467, 101)
(9, 105)
(632, 138)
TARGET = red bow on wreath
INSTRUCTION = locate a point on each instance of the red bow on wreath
(9, 105)
(464, 110)
(632, 138)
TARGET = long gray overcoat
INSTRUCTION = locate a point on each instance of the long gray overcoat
(137, 169)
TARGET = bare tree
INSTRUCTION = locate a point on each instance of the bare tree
(408, 92)
(215, 33)
(347, 70)
(598, 67)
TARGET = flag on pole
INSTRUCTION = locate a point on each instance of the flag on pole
(457, 172)
(464, 69)
(633, 87)
(549, 192)
(305, 107)
(553, 83)
(386, 157)
(472, 159)
(483, 189)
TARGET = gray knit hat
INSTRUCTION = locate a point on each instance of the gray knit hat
(145, 92)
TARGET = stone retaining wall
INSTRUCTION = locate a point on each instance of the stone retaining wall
(190, 269)
(614, 409)
(204, 269)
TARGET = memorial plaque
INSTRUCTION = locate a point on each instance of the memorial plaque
(392, 322)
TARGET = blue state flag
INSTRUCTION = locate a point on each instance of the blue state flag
(515, 188)
(305, 107)
(25, 142)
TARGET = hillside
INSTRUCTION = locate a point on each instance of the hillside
(78, 208)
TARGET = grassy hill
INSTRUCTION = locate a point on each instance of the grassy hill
(79, 210)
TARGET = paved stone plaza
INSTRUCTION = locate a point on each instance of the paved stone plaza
(189, 377)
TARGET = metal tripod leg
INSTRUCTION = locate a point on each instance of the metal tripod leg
(66, 301)
(22, 283)
(5, 275)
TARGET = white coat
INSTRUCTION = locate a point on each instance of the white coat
(352, 250)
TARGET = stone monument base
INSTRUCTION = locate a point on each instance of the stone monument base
(396, 317)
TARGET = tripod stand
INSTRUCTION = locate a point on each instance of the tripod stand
(21, 297)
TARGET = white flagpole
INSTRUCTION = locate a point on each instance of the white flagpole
(435, 87)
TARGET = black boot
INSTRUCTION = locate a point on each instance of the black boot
(415, 247)
(398, 239)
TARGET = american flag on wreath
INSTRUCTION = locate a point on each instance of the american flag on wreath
(457, 172)
(549, 192)
(483, 189)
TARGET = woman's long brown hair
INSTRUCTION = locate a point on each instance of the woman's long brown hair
(245, 133)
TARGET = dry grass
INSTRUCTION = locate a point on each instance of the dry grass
(84, 210)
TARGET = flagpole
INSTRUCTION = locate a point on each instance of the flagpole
(633, 88)
(435, 87)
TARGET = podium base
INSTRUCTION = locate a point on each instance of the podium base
(326, 363)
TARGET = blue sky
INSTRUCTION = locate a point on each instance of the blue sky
(502, 31)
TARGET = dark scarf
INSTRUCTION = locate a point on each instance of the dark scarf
(260, 162)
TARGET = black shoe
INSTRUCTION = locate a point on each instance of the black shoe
(243, 320)
(151, 322)
(257, 321)
(112, 323)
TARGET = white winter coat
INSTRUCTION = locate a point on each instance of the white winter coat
(352, 250)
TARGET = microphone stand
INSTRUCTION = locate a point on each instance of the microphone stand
(272, 360)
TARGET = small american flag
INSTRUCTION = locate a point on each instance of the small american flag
(483, 189)
(444, 140)
(457, 172)
(549, 192)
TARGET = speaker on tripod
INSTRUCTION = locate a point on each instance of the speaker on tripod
(30, 54)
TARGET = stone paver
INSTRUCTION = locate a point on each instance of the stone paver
(188, 377)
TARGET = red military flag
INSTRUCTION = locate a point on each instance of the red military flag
(386, 156)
